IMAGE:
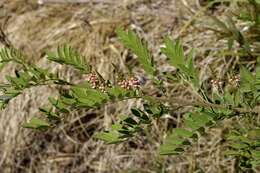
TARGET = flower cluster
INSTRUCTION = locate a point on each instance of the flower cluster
(95, 82)
(217, 84)
(132, 83)
(234, 81)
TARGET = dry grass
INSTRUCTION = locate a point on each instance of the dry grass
(90, 28)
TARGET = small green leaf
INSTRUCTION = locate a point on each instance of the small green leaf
(240, 146)
(49, 114)
(36, 123)
(91, 97)
(117, 127)
(117, 91)
(170, 149)
(130, 121)
(68, 100)
(175, 142)
(141, 116)
(136, 112)
(109, 137)
(183, 133)
(59, 105)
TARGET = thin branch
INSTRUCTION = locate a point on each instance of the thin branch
(202, 103)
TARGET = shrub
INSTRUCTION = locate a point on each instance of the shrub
(238, 96)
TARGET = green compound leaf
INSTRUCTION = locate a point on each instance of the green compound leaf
(67, 55)
(88, 97)
(176, 142)
(128, 126)
(11, 54)
(135, 44)
(25, 78)
(245, 143)
(174, 51)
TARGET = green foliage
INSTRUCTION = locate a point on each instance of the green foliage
(174, 51)
(11, 54)
(67, 55)
(28, 77)
(36, 123)
(83, 96)
(209, 106)
(245, 145)
(129, 126)
(250, 11)
(194, 122)
(139, 48)
(50, 115)
(87, 97)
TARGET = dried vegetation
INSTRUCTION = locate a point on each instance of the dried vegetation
(90, 27)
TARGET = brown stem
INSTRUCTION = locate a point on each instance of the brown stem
(199, 102)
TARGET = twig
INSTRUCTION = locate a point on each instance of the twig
(203, 103)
